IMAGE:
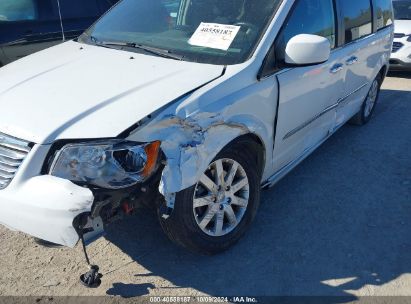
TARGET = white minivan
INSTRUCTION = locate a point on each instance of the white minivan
(188, 106)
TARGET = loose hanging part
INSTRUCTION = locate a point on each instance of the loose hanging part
(92, 278)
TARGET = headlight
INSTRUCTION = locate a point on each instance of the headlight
(114, 164)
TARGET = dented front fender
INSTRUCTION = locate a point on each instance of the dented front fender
(189, 146)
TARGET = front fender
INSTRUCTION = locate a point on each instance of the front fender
(191, 144)
(197, 127)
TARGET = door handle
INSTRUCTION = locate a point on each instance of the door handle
(352, 60)
(336, 68)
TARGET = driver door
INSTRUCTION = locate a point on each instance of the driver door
(308, 95)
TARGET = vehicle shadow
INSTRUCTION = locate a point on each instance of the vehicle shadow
(129, 290)
(336, 224)
(400, 74)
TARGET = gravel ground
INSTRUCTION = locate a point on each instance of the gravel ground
(339, 224)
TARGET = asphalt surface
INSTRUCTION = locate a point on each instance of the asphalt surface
(339, 224)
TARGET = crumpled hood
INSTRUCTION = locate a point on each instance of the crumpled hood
(403, 27)
(75, 91)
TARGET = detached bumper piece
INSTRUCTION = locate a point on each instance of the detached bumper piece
(45, 207)
(92, 278)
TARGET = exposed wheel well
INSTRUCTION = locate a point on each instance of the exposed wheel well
(255, 144)
(383, 72)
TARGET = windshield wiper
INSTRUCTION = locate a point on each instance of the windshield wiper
(152, 50)
(98, 42)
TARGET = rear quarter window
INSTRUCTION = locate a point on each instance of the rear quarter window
(384, 13)
(357, 19)
(17, 10)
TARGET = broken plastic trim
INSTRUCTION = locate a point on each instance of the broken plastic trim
(189, 145)
(111, 205)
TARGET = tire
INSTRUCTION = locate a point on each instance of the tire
(183, 226)
(365, 113)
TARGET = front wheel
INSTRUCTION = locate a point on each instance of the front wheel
(212, 215)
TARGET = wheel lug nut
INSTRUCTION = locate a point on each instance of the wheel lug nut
(221, 207)
(227, 188)
(229, 200)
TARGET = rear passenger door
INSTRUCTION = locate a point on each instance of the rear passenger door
(362, 49)
(78, 15)
(308, 95)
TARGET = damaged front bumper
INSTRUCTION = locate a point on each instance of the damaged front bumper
(60, 211)
(45, 207)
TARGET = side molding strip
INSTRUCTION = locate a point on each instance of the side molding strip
(310, 121)
(325, 111)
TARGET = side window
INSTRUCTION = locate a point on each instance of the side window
(308, 17)
(72, 9)
(357, 17)
(172, 7)
(383, 9)
(17, 10)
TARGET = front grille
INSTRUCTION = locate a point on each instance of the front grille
(396, 46)
(399, 35)
(12, 153)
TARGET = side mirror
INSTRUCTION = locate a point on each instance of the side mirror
(307, 49)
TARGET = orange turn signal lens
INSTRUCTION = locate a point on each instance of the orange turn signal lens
(152, 151)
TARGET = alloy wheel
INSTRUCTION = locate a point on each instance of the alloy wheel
(221, 197)
(371, 98)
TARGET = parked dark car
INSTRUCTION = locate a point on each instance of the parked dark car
(28, 26)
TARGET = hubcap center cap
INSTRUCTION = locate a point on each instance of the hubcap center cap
(220, 196)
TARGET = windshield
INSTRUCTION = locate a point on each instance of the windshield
(206, 31)
(402, 9)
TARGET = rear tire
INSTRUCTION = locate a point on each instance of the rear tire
(209, 222)
(369, 104)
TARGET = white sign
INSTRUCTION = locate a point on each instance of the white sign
(214, 35)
